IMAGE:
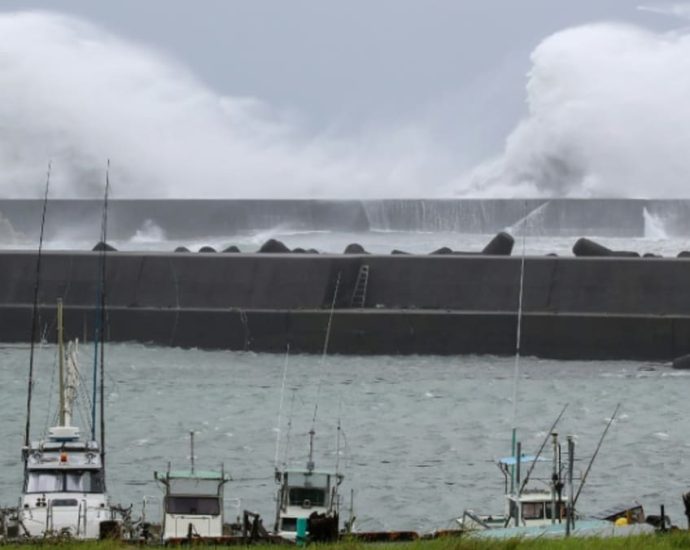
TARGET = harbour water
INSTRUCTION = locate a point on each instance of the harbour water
(420, 434)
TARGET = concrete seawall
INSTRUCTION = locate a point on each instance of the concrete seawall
(608, 308)
(181, 219)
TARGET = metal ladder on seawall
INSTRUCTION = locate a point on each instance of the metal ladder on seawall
(359, 296)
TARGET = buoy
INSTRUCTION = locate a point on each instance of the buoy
(207, 249)
(182, 249)
(232, 249)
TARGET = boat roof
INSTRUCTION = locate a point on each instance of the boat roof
(512, 460)
(306, 472)
(537, 496)
(196, 474)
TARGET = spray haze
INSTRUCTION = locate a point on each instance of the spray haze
(76, 94)
(607, 116)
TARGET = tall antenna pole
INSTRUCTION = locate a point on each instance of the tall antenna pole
(104, 235)
(191, 448)
(280, 407)
(34, 312)
(325, 347)
(61, 360)
(516, 368)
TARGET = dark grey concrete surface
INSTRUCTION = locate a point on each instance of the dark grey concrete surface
(608, 308)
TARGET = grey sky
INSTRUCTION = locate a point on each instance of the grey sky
(358, 62)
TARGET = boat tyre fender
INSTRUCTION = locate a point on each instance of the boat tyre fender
(306, 503)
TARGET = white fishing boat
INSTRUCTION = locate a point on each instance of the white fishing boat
(192, 502)
(547, 508)
(308, 501)
(64, 490)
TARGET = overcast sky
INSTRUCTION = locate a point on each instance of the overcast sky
(458, 68)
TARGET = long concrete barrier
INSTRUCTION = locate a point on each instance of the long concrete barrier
(630, 308)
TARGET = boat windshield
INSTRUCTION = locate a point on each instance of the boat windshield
(540, 510)
(193, 506)
(302, 496)
(56, 481)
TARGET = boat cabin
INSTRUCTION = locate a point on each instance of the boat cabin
(64, 486)
(308, 495)
(192, 504)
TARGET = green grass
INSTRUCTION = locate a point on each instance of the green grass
(652, 542)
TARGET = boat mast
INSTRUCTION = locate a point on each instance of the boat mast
(104, 233)
(191, 448)
(61, 361)
(34, 314)
(98, 390)
(310, 461)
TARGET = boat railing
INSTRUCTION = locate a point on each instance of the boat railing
(82, 513)
(49, 517)
(475, 518)
(235, 503)
(145, 505)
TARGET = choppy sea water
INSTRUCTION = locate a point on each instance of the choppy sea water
(420, 434)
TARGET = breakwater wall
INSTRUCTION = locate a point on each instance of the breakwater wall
(589, 308)
(181, 219)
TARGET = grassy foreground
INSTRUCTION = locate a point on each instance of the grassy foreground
(675, 540)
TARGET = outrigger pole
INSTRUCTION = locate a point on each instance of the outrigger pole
(34, 313)
(516, 369)
(99, 329)
(541, 449)
(596, 452)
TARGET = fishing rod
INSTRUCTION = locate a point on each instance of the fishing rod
(280, 408)
(99, 325)
(596, 452)
(104, 235)
(541, 449)
(327, 340)
(518, 338)
(34, 312)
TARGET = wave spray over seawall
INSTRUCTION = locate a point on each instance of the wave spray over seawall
(74, 93)
(608, 117)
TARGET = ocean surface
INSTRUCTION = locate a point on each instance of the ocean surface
(420, 435)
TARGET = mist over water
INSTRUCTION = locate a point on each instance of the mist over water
(607, 116)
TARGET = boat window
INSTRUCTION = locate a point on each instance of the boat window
(533, 510)
(193, 506)
(83, 482)
(289, 524)
(44, 482)
(301, 496)
(559, 507)
(75, 481)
